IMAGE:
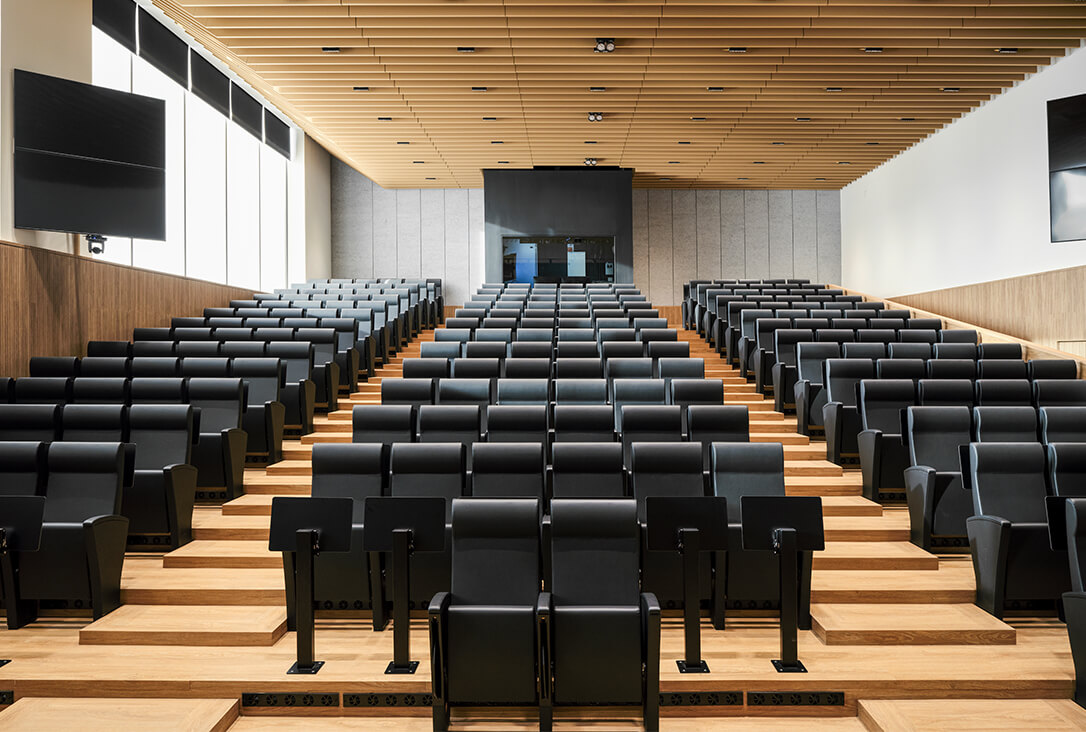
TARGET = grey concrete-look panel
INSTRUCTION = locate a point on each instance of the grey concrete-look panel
(641, 239)
(352, 226)
(708, 235)
(661, 259)
(684, 236)
(733, 251)
(456, 246)
(384, 232)
(433, 232)
(804, 235)
(408, 232)
(780, 234)
(829, 236)
(756, 205)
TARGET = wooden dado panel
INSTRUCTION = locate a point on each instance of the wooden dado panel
(1045, 308)
(52, 303)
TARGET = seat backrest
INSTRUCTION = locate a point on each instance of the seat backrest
(85, 480)
(690, 368)
(900, 368)
(748, 321)
(871, 351)
(30, 422)
(665, 469)
(464, 391)
(530, 349)
(663, 349)
(100, 390)
(23, 468)
(578, 368)
(475, 368)
(383, 423)
(407, 391)
(934, 435)
(636, 391)
(584, 422)
(355, 471)
(923, 336)
(113, 348)
(155, 367)
(954, 350)
(614, 350)
(842, 376)
(440, 349)
(1000, 350)
(264, 377)
(54, 366)
(881, 402)
(430, 470)
(1008, 480)
(1058, 392)
(684, 392)
(1063, 424)
(1004, 424)
(220, 401)
(1067, 469)
(595, 552)
(523, 391)
(746, 469)
(495, 552)
(945, 393)
(629, 368)
(951, 368)
(909, 350)
(587, 470)
(1001, 368)
(43, 390)
(811, 357)
(507, 470)
(490, 350)
(425, 368)
(162, 433)
(208, 367)
(580, 391)
(517, 422)
(651, 423)
(1052, 368)
(1004, 392)
(449, 423)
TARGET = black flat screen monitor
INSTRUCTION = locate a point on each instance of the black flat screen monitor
(558, 258)
(88, 160)
(1067, 168)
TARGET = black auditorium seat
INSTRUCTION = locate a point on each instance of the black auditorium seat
(945, 393)
(883, 457)
(1067, 471)
(1052, 369)
(1004, 392)
(407, 391)
(54, 366)
(841, 414)
(523, 391)
(528, 368)
(809, 392)
(219, 454)
(299, 392)
(1063, 424)
(517, 423)
(1059, 392)
(587, 470)
(30, 422)
(43, 390)
(1013, 561)
(495, 594)
(507, 470)
(158, 504)
(600, 617)
(1004, 424)
(710, 423)
(425, 368)
(24, 468)
(584, 423)
(939, 503)
(265, 415)
(650, 423)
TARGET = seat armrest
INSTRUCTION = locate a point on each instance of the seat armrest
(989, 543)
(105, 539)
(650, 627)
(180, 483)
(438, 614)
(920, 498)
(869, 443)
(544, 608)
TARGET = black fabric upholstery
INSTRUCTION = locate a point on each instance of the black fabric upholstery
(1005, 424)
(1063, 424)
(938, 502)
(507, 470)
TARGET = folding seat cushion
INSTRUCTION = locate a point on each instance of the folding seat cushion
(661, 349)
(476, 368)
(155, 367)
(1057, 392)
(1005, 424)
(583, 422)
(30, 422)
(1066, 463)
(99, 390)
(54, 366)
(433, 470)
(588, 470)
(523, 391)
(578, 368)
(407, 391)
(866, 350)
(121, 349)
(93, 423)
(517, 423)
(841, 414)
(668, 469)
(23, 468)
(650, 423)
(383, 423)
(1062, 424)
(809, 392)
(507, 470)
(900, 368)
(958, 336)
(636, 391)
(752, 578)
(1004, 392)
(43, 390)
(425, 368)
(711, 423)
(909, 350)
(945, 393)
(1013, 561)
(440, 349)
(78, 563)
(158, 502)
(157, 390)
(628, 368)
(1001, 368)
(347, 580)
(580, 391)
(910, 335)
(938, 502)
(1053, 368)
(485, 350)
(219, 455)
(1000, 350)
(951, 368)
(598, 613)
(883, 458)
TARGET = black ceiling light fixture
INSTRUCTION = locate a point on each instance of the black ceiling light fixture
(698, 119)
(595, 116)
(465, 49)
(361, 88)
(803, 119)
(737, 49)
(597, 88)
(952, 89)
(872, 49)
(330, 49)
(1006, 50)
(714, 88)
(479, 88)
(590, 162)
(604, 45)
(834, 89)
(490, 119)
(384, 119)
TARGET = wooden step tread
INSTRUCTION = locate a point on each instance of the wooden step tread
(191, 625)
(889, 526)
(609, 719)
(966, 715)
(952, 582)
(34, 714)
(880, 555)
(172, 586)
(225, 554)
(856, 624)
(213, 526)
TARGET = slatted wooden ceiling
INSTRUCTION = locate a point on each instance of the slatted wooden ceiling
(535, 60)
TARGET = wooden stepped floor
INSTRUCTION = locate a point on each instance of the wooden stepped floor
(487, 720)
(971, 715)
(857, 624)
(44, 714)
(193, 625)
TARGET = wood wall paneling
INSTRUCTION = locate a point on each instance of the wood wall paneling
(52, 303)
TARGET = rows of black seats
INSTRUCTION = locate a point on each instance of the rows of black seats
(79, 560)
(160, 488)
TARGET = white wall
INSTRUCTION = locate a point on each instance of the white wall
(969, 204)
(318, 211)
(50, 37)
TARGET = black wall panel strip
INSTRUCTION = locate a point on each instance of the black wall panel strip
(117, 19)
(165, 51)
(210, 84)
(246, 111)
(276, 133)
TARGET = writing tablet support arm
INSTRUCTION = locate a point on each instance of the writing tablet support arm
(401, 614)
(306, 546)
(784, 545)
(689, 547)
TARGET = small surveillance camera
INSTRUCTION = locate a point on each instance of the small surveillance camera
(96, 243)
